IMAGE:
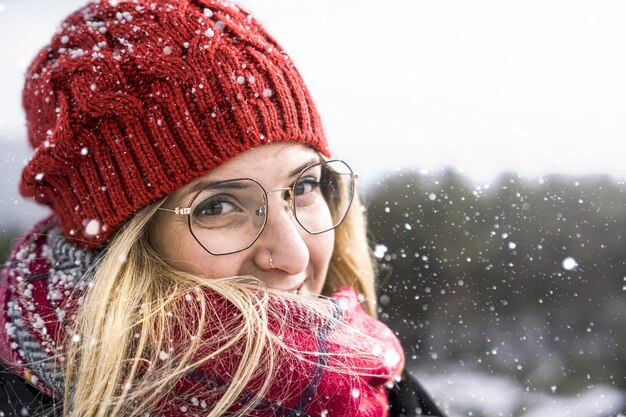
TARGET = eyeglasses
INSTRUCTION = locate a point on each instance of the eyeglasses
(228, 217)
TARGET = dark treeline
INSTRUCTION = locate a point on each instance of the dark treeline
(523, 277)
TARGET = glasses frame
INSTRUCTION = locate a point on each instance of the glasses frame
(186, 211)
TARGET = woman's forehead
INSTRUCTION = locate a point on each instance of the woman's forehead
(266, 164)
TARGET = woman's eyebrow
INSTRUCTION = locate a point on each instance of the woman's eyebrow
(301, 168)
(217, 185)
(201, 185)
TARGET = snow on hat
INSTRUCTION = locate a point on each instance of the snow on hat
(134, 99)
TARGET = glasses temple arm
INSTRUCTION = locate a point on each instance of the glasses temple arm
(177, 210)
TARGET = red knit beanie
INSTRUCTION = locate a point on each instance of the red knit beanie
(133, 99)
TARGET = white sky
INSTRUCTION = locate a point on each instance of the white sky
(486, 86)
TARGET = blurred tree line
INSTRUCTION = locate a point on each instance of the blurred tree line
(523, 277)
(7, 238)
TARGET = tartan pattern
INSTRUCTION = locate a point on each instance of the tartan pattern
(46, 277)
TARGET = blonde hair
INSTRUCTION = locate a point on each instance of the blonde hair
(122, 362)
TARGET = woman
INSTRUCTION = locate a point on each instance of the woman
(205, 253)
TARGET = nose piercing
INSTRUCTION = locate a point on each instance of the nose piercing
(271, 261)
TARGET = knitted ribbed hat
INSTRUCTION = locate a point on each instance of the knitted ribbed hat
(133, 99)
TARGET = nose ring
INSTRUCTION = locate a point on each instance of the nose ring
(271, 261)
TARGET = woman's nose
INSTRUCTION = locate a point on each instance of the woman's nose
(283, 239)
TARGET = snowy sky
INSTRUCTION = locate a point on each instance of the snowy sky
(485, 86)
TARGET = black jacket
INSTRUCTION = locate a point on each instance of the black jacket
(18, 398)
(408, 399)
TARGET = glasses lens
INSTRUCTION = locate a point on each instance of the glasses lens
(229, 216)
(322, 196)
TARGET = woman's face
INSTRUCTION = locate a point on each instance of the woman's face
(300, 260)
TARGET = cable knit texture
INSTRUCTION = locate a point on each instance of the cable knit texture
(44, 282)
(134, 99)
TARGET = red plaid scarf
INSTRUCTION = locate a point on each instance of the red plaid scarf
(41, 286)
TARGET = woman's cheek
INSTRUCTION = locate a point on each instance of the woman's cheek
(321, 252)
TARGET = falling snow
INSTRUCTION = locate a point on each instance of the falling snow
(509, 302)
(92, 228)
(569, 263)
(489, 279)
(380, 250)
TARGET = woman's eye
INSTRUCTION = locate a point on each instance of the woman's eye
(214, 207)
(306, 185)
